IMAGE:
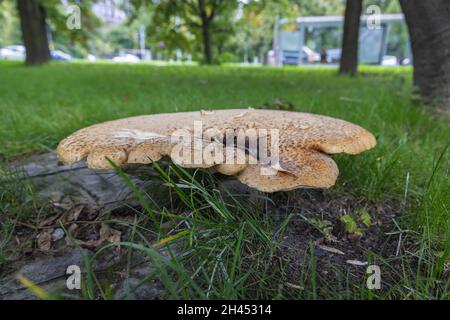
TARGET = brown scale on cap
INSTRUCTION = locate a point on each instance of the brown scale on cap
(304, 142)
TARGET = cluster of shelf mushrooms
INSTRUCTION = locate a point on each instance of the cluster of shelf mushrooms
(304, 142)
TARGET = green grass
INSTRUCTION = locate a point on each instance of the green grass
(230, 239)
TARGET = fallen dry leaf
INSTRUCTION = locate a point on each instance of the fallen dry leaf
(295, 286)
(72, 229)
(90, 244)
(73, 214)
(332, 250)
(91, 212)
(319, 244)
(49, 221)
(65, 204)
(357, 263)
(109, 234)
(44, 240)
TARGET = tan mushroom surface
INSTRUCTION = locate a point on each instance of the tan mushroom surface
(304, 142)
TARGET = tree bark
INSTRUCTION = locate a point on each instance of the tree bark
(429, 30)
(349, 57)
(34, 32)
(206, 32)
(207, 45)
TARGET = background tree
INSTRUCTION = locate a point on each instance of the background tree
(9, 22)
(201, 19)
(73, 41)
(32, 15)
(42, 26)
(320, 8)
(429, 28)
(349, 58)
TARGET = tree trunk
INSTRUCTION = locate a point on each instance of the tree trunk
(206, 32)
(429, 29)
(34, 31)
(207, 46)
(349, 58)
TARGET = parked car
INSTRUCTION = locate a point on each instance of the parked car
(407, 62)
(91, 57)
(15, 52)
(130, 58)
(60, 56)
(389, 61)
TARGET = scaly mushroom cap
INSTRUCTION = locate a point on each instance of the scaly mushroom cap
(304, 142)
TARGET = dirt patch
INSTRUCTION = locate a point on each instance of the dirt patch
(318, 234)
(314, 230)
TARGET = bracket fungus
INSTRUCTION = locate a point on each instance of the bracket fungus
(265, 149)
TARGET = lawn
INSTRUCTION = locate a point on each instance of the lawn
(408, 170)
